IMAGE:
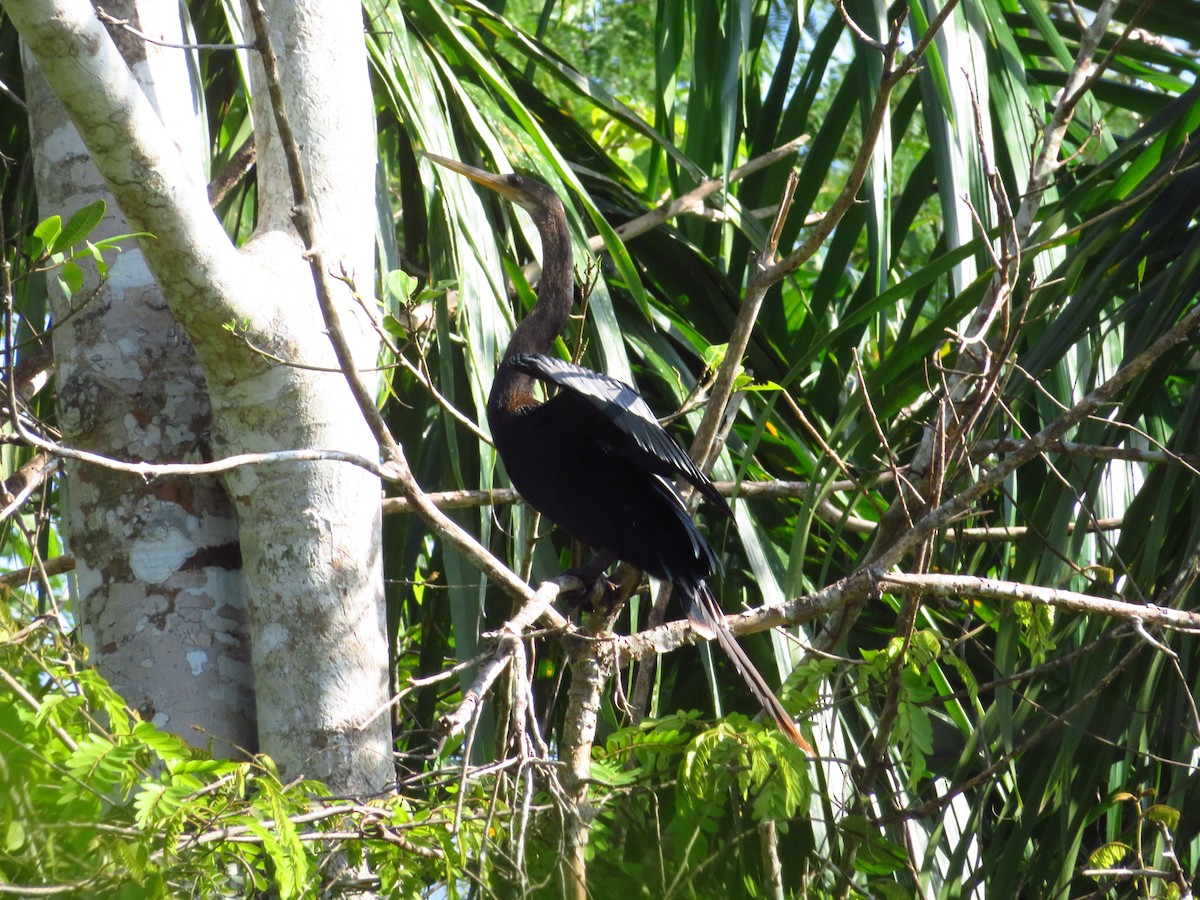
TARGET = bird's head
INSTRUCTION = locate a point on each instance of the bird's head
(528, 193)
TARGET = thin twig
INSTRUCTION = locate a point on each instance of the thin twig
(1190, 461)
(693, 200)
(511, 634)
(866, 583)
(124, 25)
(971, 586)
(991, 478)
(743, 490)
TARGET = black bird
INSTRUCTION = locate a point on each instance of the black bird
(592, 458)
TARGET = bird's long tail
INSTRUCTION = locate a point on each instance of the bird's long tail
(708, 620)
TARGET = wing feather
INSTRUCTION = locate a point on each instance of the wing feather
(627, 411)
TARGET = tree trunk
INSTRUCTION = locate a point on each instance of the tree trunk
(158, 580)
(308, 532)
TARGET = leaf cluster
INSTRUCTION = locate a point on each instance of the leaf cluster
(977, 705)
(94, 802)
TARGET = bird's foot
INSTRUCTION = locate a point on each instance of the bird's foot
(599, 595)
(597, 591)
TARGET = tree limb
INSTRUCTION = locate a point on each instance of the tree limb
(867, 583)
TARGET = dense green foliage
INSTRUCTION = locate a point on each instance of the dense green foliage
(98, 804)
(967, 744)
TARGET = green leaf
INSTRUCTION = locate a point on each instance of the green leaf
(713, 355)
(394, 326)
(149, 805)
(48, 230)
(398, 288)
(14, 836)
(746, 383)
(876, 854)
(169, 747)
(79, 227)
(1110, 855)
(889, 890)
(70, 278)
(1167, 815)
(97, 256)
(294, 875)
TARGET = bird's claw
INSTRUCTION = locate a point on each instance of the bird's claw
(596, 591)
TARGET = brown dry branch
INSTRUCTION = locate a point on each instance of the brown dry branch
(893, 73)
(977, 369)
(510, 635)
(868, 583)
(75, 888)
(742, 490)
(971, 587)
(1094, 451)
(149, 470)
(56, 565)
(1020, 532)
(590, 670)
(20, 486)
(124, 24)
(418, 372)
(693, 200)
(1039, 443)
(718, 414)
(766, 272)
(969, 393)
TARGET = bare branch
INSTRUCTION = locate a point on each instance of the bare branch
(511, 634)
(124, 25)
(970, 586)
(1020, 532)
(705, 447)
(743, 490)
(1094, 451)
(58, 565)
(770, 272)
(693, 200)
(867, 583)
(21, 485)
(1038, 443)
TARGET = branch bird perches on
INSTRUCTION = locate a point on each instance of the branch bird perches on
(593, 459)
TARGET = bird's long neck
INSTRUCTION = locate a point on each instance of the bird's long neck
(548, 318)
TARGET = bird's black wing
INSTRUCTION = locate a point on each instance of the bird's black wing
(624, 408)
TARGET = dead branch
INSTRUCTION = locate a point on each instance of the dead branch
(58, 565)
(1094, 451)
(865, 584)
(742, 490)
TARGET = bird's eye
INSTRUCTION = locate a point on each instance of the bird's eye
(514, 181)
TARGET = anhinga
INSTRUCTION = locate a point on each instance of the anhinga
(592, 458)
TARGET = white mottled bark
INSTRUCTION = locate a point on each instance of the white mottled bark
(158, 570)
(308, 533)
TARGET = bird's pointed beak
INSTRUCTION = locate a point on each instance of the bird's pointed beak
(498, 183)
